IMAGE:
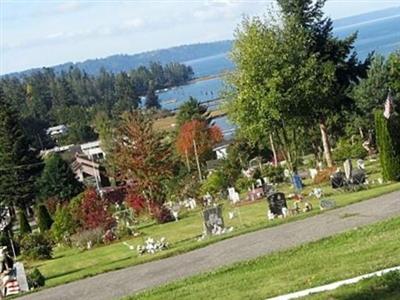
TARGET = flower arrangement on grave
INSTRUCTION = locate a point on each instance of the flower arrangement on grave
(152, 246)
(125, 219)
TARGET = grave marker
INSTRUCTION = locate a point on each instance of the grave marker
(277, 202)
(213, 218)
(327, 204)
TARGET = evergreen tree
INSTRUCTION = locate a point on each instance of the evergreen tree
(63, 225)
(152, 98)
(126, 96)
(192, 110)
(18, 163)
(24, 227)
(43, 218)
(388, 140)
(58, 180)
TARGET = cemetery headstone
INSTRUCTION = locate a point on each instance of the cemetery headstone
(361, 164)
(348, 168)
(268, 189)
(21, 277)
(313, 173)
(358, 176)
(338, 180)
(233, 195)
(277, 202)
(213, 218)
(327, 204)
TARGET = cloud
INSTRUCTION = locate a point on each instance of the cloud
(213, 10)
(126, 27)
(70, 6)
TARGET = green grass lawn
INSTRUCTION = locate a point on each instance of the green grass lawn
(386, 287)
(71, 264)
(339, 257)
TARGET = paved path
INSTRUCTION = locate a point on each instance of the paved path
(116, 284)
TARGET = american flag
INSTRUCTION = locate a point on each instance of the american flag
(388, 106)
(12, 287)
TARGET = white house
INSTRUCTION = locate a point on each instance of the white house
(93, 150)
(221, 149)
(57, 130)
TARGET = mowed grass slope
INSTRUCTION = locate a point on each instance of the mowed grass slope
(72, 264)
(343, 256)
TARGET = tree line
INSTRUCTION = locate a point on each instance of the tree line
(43, 99)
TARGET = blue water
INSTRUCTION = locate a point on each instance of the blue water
(211, 65)
(204, 90)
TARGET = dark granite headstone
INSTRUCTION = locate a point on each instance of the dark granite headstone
(358, 177)
(213, 217)
(338, 180)
(276, 202)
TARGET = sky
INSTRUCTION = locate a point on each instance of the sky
(41, 33)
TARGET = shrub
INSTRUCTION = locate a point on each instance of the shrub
(36, 246)
(275, 174)
(6, 241)
(136, 202)
(214, 183)
(24, 227)
(324, 175)
(44, 219)
(161, 213)
(88, 238)
(243, 183)
(345, 150)
(95, 211)
(36, 279)
(388, 140)
(74, 207)
(63, 225)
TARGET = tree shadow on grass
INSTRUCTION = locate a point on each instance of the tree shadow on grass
(64, 273)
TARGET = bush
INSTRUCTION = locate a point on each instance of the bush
(345, 150)
(24, 227)
(136, 202)
(5, 240)
(274, 174)
(215, 183)
(43, 220)
(36, 279)
(88, 238)
(74, 207)
(243, 183)
(36, 246)
(161, 213)
(63, 226)
(95, 211)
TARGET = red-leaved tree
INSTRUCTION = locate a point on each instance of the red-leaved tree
(94, 211)
(197, 133)
(144, 158)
